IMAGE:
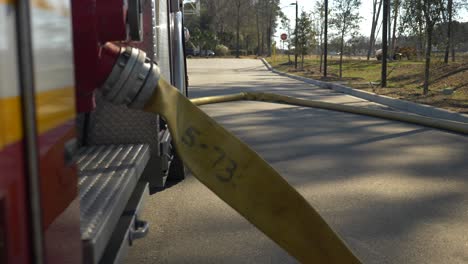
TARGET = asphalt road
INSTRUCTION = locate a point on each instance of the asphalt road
(395, 192)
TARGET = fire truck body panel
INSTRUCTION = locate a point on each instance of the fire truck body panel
(13, 198)
(55, 112)
(92, 163)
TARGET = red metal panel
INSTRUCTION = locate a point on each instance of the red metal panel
(111, 20)
(63, 239)
(59, 180)
(59, 197)
(94, 24)
(86, 48)
(13, 193)
(3, 226)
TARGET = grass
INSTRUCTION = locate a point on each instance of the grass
(404, 81)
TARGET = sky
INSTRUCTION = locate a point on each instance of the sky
(308, 5)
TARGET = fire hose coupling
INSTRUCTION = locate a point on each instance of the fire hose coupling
(133, 78)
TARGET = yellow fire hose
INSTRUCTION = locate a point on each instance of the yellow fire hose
(240, 177)
(448, 125)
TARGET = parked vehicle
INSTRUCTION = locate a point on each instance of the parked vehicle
(190, 52)
(207, 53)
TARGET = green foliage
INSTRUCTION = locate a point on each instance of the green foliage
(345, 20)
(250, 24)
(345, 16)
(305, 34)
(221, 50)
(459, 35)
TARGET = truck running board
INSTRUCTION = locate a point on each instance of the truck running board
(108, 174)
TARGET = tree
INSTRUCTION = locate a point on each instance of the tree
(258, 9)
(375, 18)
(202, 34)
(325, 38)
(449, 31)
(346, 21)
(304, 34)
(320, 13)
(265, 13)
(396, 10)
(386, 5)
(449, 12)
(357, 45)
(239, 5)
(432, 10)
(412, 23)
(244, 26)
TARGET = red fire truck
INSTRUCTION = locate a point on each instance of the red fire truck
(75, 169)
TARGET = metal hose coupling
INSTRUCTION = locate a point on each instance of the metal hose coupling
(133, 79)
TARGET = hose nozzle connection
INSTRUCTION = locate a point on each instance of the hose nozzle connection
(133, 78)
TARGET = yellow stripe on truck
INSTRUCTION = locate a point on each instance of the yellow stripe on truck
(10, 121)
(54, 107)
(240, 177)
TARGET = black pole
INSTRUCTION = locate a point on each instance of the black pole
(295, 50)
(389, 18)
(325, 40)
(384, 42)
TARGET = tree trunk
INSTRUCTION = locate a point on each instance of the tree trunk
(371, 38)
(238, 32)
(449, 31)
(428, 58)
(341, 53)
(269, 29)
(453, 53)
(321, 61)
(262, 44)
(389, 37)
(375, 18)
(321, 53)
(395, 18)
(383, 82)
(258, 32)
(246, 44)
(420, 47)
(269, 40)
(302, 61)
(325, 40)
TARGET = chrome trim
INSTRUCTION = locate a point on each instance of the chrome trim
(28, 107)
(178, 55)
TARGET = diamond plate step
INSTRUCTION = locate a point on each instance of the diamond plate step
(108, 175)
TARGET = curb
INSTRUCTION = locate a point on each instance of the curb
(420, 109)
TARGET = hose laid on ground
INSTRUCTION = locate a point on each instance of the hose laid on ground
(241, 178)
(448, 125)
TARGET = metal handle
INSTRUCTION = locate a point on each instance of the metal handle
(140, 230)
